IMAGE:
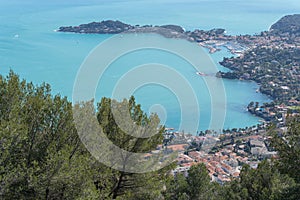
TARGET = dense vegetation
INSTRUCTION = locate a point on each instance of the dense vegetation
(289, 24)
(42, 156)
(276, 70)
(112, 27)
(103, 27)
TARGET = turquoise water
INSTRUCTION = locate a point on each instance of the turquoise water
(30, 47)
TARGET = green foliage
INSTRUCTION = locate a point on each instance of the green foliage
(130, 185)
(198, 181)
(196, 185)
(42, 157)
(264, 183)
(287, 24)
(287, 144)
(177, 187)
(270, 67)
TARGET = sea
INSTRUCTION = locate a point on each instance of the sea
(30, 46)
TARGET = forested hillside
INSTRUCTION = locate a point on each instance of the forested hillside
(42, 157)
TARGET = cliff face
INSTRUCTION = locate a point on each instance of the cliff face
(289, 24)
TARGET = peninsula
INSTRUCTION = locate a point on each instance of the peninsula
(115, 27)
(169, 31)
(282, 34)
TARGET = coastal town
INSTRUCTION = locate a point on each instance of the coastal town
(270, 58)
(224, 155)
(273, 63)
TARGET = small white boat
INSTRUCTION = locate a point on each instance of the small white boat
(200, 74)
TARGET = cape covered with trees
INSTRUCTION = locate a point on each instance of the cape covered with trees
(289, 24)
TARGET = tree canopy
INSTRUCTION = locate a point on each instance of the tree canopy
(43, 157)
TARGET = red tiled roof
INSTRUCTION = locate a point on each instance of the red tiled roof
(178, 147)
